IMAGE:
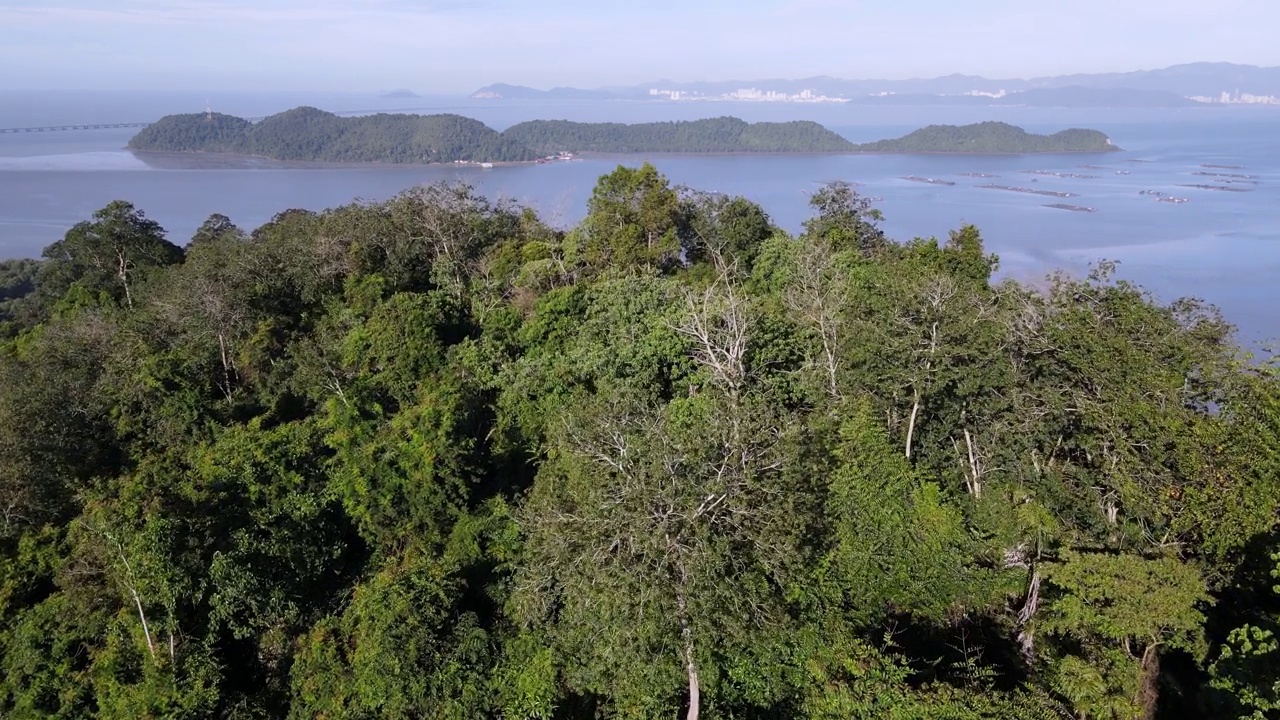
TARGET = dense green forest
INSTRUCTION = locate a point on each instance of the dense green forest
(991, 137)
(432, 458)
(724, 134)
(308, 134)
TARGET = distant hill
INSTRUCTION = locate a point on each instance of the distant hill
(1193, 79)
(308, 134)
(991, 138)
(1204, 78)
(724, 134)
(400, 94)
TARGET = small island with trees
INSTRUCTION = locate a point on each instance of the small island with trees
(307, 134)
(992, 138)
(714, 135)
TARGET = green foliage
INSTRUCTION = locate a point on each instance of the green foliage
(633, 220)
(429, 457)
(1124, 599)
(108, 257)
(405, 647)
(845, 220)
(725, 230)
(895, 547)
(217, 228)
(990, 137)
(1121, 611)
(1246, 673)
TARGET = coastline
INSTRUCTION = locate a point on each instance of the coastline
(302, 164)
(267, 162)
(1112, 150)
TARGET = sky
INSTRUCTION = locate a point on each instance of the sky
(456, 46)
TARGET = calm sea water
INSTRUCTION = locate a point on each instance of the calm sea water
(1221, 246)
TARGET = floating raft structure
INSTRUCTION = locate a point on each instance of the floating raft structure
(1061, 174)
(931, 181)
(1226, 175)
(1219, 188)
(1010, 188)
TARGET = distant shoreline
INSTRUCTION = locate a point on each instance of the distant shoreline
(317, 164)
(960, 153)
(277, 163)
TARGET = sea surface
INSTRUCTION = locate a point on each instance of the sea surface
(1221, 246)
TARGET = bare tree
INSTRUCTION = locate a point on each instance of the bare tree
(820, 295)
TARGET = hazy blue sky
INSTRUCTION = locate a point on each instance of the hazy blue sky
(458, 45)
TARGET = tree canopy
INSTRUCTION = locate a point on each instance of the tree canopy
(433, 458)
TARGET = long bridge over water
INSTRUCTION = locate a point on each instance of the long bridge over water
(112, 126)
(61, 128)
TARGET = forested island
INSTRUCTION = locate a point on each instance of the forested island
(992, 138)
(434, 458)
(723, 135)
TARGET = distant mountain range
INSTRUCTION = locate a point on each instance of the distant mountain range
(1175, 86)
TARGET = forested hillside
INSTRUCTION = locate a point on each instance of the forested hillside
(991, 137)
(432, 458)
(308, 134)
(723, 134)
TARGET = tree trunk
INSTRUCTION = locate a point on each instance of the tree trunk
(911, 424)
(133, 590)
(975, 487)
(122, 271)
(833, 386)
(1149, 682)
(146, 631)
(690, 665)
(1026, 638)
(226, 366)
(686, 637)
